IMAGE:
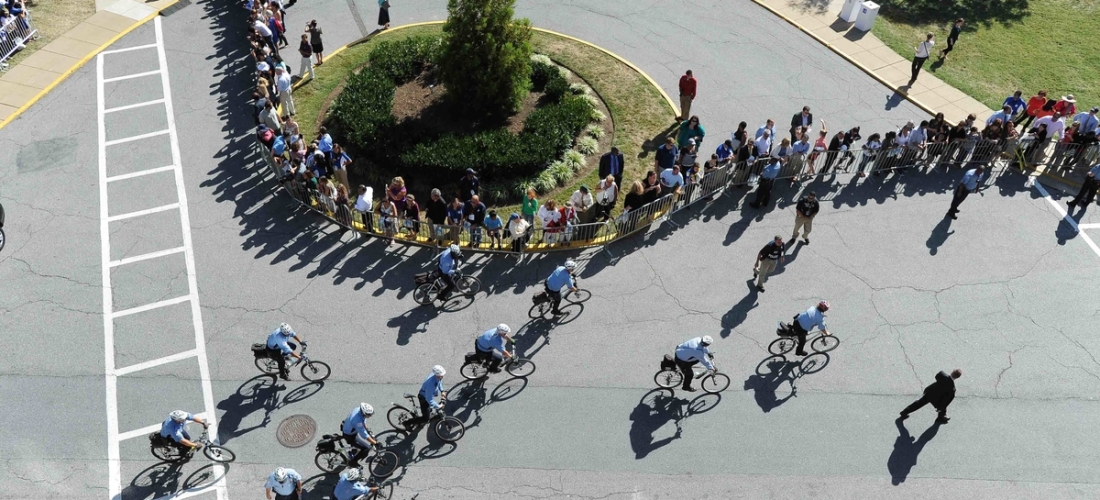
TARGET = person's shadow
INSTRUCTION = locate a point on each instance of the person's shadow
(906, 449)
(656, 408)
(939, 235)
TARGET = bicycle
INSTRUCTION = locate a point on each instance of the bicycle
(788, 340)
(478, 367)
(543, 304)
(169, 451)
(430, 284)
(2, 237)
(333, 454)
(311, 370)
(447, 428)
(669, 376)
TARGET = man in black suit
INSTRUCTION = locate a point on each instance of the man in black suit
(612, 164)
(940, 394)
(803, 119)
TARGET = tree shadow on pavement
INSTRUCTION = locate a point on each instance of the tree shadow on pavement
(906, 449)
(655, 410)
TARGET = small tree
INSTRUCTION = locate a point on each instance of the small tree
(486, 57)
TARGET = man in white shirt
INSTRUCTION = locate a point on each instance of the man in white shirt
(285, 85)
(764, 144)
(1056, 125)
(581, 199)
(606, 193)
(915, 144)
(265, 32)
(921, 55)
(671, 179)
(364, 204)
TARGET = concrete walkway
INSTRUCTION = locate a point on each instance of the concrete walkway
(25, 83)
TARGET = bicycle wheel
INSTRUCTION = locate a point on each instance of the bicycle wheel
(473, 370)
(668, 379)
(425, 294)
(781, 345)
(468, 285)
(384, 492)
(383, 464)
(577, 297)
(713, 383)
(825, 343)
(449, 429)
(315, 371)
(2, 239)
(520, 367)
(218, 453)
(268, 366)
(167, 453)
(540, 310)
(330, 461)
(398, 416)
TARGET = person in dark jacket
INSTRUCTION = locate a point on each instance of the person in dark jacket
(939, 394)
(469, 186)
(437, 216)
(612, 164)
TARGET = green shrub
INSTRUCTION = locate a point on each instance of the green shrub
(541, 73)
(595, 131)
(596, 115)
(362, 112)
(485, 60)
(561, 172)
(404, 60)
(578, 88)
(545, 182)
(556, 86)
(575, 160)
(561, 121)
(587, 145)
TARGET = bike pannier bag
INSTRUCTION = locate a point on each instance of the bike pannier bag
(471, 357)
(668, 362)
(260, 350)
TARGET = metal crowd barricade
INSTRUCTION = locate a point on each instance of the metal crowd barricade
(14, 35)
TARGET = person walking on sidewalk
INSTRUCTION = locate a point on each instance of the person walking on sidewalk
(805, 212)
(766, 260)
(952, 37)
(384, 14)
(968, 184)
(921, 55)
(939, 394)
(688, 86)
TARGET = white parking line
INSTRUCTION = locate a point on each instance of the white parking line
(150, 307)
(131, 175)
(179, 356)
(1088, 226)
(1065, 216)
(134, 138)
(123, 436)
(139, 213)
(147, 256)
(132, 106)
(135, 75)
(128, 49)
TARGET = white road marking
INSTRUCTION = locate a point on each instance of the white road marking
(151, 255)
(1065, 216)
(114, 437)
(131, 175)
(132, 106)
(135, 75)
(1088, 226)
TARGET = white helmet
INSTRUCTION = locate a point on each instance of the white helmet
(570, 264)
(439, 371)
(285, 329)
(504, 329)
(707, 340)
(352, 474)
(280, 474)
(178, 415)
(455, 249)
(366, 409)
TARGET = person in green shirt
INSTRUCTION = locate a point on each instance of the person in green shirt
(690, 129)
(530, 206)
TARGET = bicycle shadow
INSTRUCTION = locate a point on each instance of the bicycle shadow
(320, 486)
(774, 372)
(163, 479)
(658, 408)
(906, 449)
(255, 394)
(473, 397)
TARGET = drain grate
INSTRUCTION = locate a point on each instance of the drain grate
(296, 430)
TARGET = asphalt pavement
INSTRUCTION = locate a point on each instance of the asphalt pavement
(1002, 293)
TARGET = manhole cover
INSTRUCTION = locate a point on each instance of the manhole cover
(296, 431)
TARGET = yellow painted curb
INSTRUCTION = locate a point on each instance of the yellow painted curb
(79, 64)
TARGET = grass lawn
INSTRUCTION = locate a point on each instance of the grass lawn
(639, 114)
(1006, 45)
(53, 18)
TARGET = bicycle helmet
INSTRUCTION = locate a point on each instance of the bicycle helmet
(366, 409)
(351, 474)
(285, 329)
(178, 415)
(707, 340)
(439, 371)
(455, 250)
(823, 305)
(280, 474)
(570, 264)
(504, 329)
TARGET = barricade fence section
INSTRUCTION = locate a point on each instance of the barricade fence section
(14, 36)
(961, 155)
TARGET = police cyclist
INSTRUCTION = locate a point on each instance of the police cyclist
(689, 354)
(285, 483)
(279, 347)
(806, 321)
(353, 485)
(448, 266)
(490, 346)
(562, 277)
(431, 391)
(175, 428)
(356, 433)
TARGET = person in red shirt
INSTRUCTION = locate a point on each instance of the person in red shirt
(687, 94)
(1067, 105)
(1034, 104)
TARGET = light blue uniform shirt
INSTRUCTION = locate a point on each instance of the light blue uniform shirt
(1005, 118)
(447, 263)
(356, 424)
(1088, 122)
(812, 318)
(279, 341)
(800, 148)
(489, 341)
(971, 179)
(760, 131)
(1095, 171)
(286, 487)
(771, 171)
(350, 490)
(559, 279)
(430, 389)
(694, 350)
(176, 430)
(325, 144)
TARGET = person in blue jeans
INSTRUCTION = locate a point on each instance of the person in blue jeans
(493, 226)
